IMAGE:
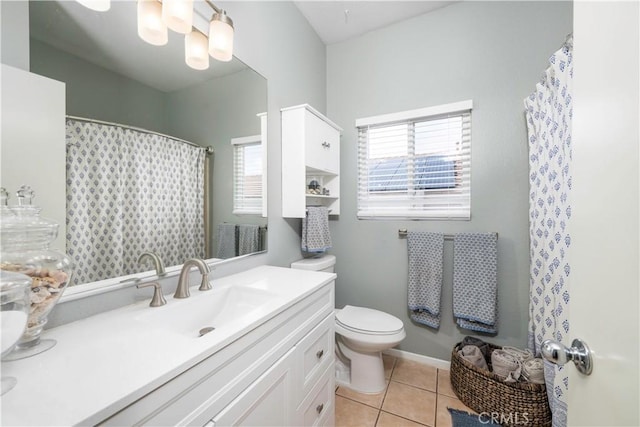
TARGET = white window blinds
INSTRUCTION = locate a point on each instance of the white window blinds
(416, 164)
(247, 175)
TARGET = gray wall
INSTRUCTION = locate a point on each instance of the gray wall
(492, 53)
(95, 92)
(14, 26)
(194, 115)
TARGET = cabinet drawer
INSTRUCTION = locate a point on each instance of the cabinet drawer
(315, 352)
(317, 409)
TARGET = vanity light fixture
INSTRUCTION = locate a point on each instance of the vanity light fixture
(155, 17)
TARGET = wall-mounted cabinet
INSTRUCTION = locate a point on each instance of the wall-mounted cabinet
(310, 161)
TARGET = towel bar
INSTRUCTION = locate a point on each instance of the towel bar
(403, 233)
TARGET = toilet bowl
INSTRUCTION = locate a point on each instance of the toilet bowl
(362, 334)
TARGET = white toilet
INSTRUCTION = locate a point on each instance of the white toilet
(362, 334)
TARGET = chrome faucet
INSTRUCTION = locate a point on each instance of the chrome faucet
(182, 291)
(157, 262)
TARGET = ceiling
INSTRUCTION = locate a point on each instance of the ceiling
(336, 21)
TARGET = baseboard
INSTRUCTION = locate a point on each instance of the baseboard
(426, 360)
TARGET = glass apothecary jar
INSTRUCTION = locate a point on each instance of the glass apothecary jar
(25, 238)
(15, 289)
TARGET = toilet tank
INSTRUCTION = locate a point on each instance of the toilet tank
(320, 263)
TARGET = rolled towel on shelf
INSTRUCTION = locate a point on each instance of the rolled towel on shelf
(473, 355)
(426, 252)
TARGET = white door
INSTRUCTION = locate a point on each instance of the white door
(605, 258)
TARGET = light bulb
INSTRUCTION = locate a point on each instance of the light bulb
(178, 15)
(151, 27)
(196, 53)
(221, 37)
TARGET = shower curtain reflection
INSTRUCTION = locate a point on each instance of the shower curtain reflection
(130, 191)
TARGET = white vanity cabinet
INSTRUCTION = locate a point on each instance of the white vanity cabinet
(279, 374)
(310, 152)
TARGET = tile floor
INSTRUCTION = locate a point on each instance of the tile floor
(416, 395)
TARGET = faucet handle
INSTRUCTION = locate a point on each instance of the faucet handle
(158, 299)
(205, 285)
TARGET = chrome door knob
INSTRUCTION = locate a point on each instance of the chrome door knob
(579, 354)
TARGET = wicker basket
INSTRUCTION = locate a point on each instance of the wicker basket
(511, 404)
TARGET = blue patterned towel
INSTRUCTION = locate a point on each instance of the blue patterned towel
(475, 281)
(226, 241)
(248, 239)
(425, 276)
(315, 230)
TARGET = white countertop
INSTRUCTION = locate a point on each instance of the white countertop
(105, 362)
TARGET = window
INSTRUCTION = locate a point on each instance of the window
(416, 164)
(247, 175)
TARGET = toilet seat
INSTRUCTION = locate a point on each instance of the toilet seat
(368, 321)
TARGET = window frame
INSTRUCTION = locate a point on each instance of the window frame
(452, 203)
(245, 208)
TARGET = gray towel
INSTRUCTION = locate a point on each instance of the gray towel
(248, 239)
(475, 283)
(315, 230)
(226, 240)
(425, 276)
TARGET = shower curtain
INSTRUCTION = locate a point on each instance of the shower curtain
(548, 114)
(127, 192)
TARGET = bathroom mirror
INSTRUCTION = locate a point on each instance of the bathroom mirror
(113, 76)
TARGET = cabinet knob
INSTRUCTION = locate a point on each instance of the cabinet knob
(319, 354)
(326, 144)
(320, 407)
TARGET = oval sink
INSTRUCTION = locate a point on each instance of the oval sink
(217, 309)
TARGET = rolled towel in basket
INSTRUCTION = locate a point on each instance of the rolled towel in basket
(533, 371)
(473, 355)
(483, 346)
(506, 366)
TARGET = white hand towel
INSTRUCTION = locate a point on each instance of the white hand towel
(425, 276)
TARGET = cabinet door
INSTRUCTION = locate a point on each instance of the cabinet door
(322, 143)
(266, 402)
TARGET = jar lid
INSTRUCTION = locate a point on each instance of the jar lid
(22, 224)
(10, 280)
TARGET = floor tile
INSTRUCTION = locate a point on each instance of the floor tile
(443, 417)
(374, 400)
(415, 374)
(389, 362)
(350, 413)
(444, 383)
(410, 402)
(386, 419)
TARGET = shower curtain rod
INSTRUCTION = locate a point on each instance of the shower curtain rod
(208, 150)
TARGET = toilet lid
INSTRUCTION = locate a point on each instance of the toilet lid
(368, 320)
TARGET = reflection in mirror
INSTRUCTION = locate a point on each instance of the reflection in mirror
(154, 98)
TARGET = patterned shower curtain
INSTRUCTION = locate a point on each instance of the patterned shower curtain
(549, 112)
(128, 192)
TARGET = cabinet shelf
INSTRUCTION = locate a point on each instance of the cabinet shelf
(318, 196)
